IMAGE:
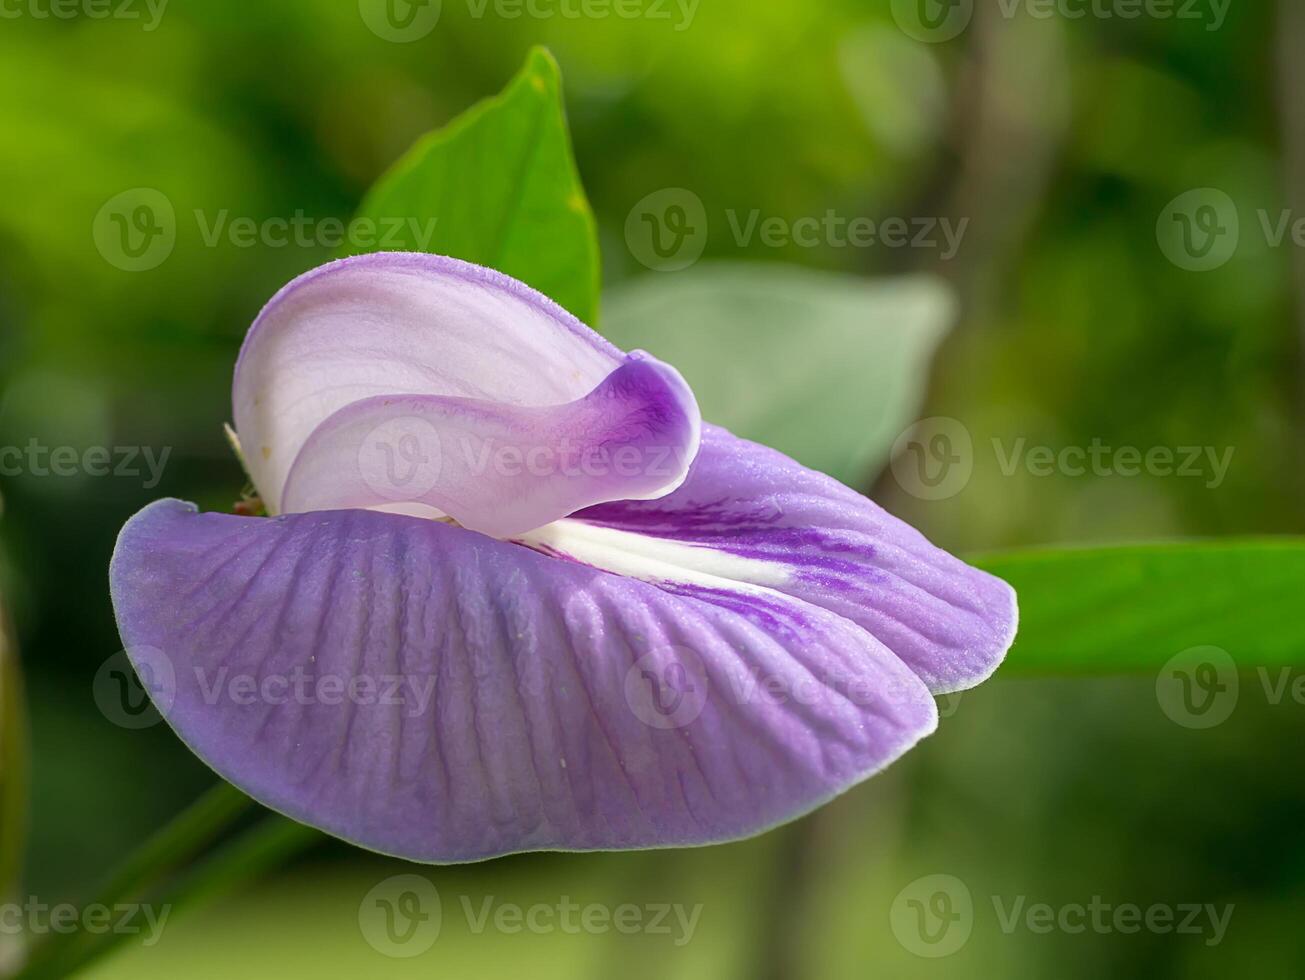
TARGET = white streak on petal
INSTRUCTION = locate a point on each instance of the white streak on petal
(653, 559)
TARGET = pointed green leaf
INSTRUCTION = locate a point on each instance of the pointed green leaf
(826, 368)
(1134, 607)
(498, 186)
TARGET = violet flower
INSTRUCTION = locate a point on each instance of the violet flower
(518, 596)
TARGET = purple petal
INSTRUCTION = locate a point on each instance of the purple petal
(751, 514)
(545, 704)
(407, 324)
(503, 469)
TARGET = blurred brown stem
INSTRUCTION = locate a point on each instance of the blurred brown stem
(1008, 118)
(1291, 116)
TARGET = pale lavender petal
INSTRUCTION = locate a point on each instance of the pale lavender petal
(498, 468)
(400, 323)
(749, 513)
(546, 704)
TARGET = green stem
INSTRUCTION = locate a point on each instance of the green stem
(195, 829)
(258, 850)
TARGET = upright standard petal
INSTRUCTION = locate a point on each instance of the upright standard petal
(400, 323)
(498, 468)
(430, 692)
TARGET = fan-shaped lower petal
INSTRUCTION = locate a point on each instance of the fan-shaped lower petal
(427, 691)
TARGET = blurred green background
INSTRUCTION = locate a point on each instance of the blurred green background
(1061, 140)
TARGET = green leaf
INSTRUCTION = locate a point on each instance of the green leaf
(498, 186)
(1134, 607)
(826, 368)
